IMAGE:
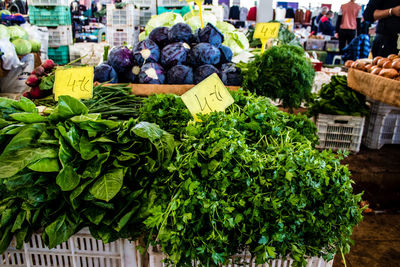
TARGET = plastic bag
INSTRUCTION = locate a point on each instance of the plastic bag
(15, 80)
(40, 34)
(9, 57)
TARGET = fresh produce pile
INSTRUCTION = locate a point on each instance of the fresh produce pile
(41, 80)
(385, 67)
(336, 98)
(245, 179)
(234, 39)
(167, 57)
(281, 72)
(20, 39)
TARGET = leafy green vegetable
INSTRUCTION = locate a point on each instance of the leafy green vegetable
(281, 72)
(336, 98)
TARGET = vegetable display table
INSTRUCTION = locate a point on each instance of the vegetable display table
(178, 89)
(378, 88)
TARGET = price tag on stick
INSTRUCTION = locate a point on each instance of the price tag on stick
(265, 31)
(208, 96)
(76, 82)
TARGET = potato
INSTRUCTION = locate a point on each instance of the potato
(375, 61)
(348, 63)
(360, 65)
(392, 56)
(387, 65)
(396, 65)
(389, 73)
(368, 67)
(376, 71)
(382, 61)
(353, 65)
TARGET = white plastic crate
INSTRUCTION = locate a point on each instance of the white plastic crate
(59, 36)
(48, 2)
(243, 260)
(127, 16)
(171, 3)
(81, 250)
(383, 126)
(141, 3)
(117, 36)
(145, 16)
(218, 11)
(340, 132)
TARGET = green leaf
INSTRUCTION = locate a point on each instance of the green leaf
(13, 162)
(45, 165)
(77, 192)
(107, 186)
(47, 82)
(58, 232)
(25, 104)
(5, 239)
(68, 107)
(28, 117)
(94, 167)
(95, 215)
(271, 252)
(25, 137)
(68, 179)
(148, 130)
(19, 221)
(87, 149)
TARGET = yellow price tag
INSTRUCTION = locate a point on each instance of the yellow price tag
(76, 82)
(208, 96)
(265, 31)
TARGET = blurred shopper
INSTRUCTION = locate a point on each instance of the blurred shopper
(315, 20)
(348, 23)
(360, 46)
(325, 25)
(387, 12)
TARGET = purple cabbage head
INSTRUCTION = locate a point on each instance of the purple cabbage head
(174, 54)
(105, 73)
(210, 34)
(121, 59)
(231, 75)
(204, 53)
(146, 51)
(152, 73)
(180, 32)
(159, 35)
(204, 71)
(226, 54)
(180, 74)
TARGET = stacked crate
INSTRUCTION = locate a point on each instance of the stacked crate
(383, 125)
(147, 8)
(56, 16)
(122, 25)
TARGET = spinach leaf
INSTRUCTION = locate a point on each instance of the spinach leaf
(68, 107)
(28, 117)
(108, 185)
(67, 178)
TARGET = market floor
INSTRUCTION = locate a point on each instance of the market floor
(377, 238)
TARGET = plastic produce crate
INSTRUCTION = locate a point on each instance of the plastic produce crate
(145, 16)
(141, 3)
(60, 55)
(117, 36)
(51, 16)
(59, 36)
(332, 46)
(81, 250)
(383, 126)
(340, 132)
(243, 260)
(315, 44)
(48, 3)
(127, 16)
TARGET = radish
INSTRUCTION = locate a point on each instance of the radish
(32, 80)
(39, 71)
(36, 92)
(48, 64)
(27, 94)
